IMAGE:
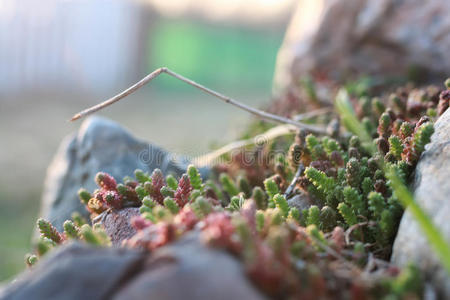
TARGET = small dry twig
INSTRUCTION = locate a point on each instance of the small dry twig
(336, 255)
(101, 217)
(157, 72)
(298, 174)
(312, 114)
(210, 158)
(330, 251)
(349, 231)
(371, 264)
(272, 133)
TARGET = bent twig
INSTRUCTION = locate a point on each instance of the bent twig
(157, 72)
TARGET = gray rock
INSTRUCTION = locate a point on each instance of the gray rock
(376, 37)
(99, 145)
(299, 201)
(189, 270)
(432, 192)
(117, 224)
(76, 271)
(185, 269)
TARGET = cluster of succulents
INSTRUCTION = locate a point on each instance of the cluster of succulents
(77, 228)
(109, 195)
(333, 249)
(346, 184)
(282, 257)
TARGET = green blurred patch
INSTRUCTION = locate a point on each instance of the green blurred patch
(15, 241)
(217, 56)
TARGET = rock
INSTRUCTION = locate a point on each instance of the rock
(117, 224)
(189, 270)
(99, 145)
(432, 194)
(369, 37)
(185, 269)
(76, 271)
(299, 201)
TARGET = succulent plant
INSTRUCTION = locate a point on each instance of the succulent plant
(244, 208)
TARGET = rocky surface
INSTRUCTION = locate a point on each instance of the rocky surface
(300, 201)
(99, 145)
(432, 192)
(184, 270)
(117, 224)
(76, 271)
(189, 270)
(377, 37)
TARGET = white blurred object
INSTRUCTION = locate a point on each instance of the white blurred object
(86, 45)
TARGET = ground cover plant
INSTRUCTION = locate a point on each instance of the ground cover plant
(311, 214)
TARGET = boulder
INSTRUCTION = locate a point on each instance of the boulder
(76, 271)
(99, 145)
(185, 269)
(189, 270)
(431, 190)
(370, 37)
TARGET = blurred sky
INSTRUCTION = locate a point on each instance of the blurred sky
(58, 57)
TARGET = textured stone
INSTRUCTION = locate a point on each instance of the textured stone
(185, 269)
(432, 192)
(189, 270)
(299, 201)
(99, 145)
(376, 37)
(76, 271)
(117, 224)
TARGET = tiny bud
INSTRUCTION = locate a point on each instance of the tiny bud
(353, 152)
(383, 145)
(447, 83)
(354, 141)
(336, 158)
(380, 186)
(84, 196)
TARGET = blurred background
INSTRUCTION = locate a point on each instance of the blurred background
(58, 57)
